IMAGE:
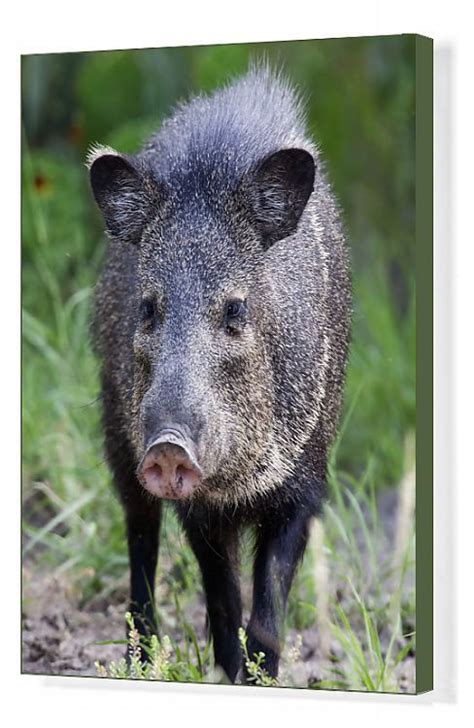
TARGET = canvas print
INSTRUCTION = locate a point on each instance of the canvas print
(219, 364)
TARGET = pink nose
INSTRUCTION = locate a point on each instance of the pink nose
(169, 471)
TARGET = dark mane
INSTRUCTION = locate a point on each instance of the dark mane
(212, 141)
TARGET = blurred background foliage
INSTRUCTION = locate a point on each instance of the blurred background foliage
(360, 100)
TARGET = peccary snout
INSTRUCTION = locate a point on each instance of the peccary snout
(169, 468)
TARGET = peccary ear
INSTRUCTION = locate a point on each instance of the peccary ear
(279, 191)
(123, 193)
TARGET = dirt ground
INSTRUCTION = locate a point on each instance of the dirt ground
(61, 638)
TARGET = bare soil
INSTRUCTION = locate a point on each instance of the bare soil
(62, 638)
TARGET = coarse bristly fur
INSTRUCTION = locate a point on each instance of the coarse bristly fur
(219, 205)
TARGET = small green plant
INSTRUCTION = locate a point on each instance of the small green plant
(156, 666)
(160, 659)
(257, 675)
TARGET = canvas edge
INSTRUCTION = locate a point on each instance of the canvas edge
(424, 360)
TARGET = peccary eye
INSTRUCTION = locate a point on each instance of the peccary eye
(234, 315)
(147, 309)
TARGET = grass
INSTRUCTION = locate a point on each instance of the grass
(350, 596)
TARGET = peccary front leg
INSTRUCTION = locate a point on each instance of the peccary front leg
(143, 524)
(142, 520)
(280, 545)
(216, 549)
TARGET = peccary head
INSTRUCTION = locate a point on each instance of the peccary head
(206, 314)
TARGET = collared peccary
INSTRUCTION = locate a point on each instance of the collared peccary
(221, 321)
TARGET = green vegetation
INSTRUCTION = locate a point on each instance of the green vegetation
(360, 97)
(156, 660)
